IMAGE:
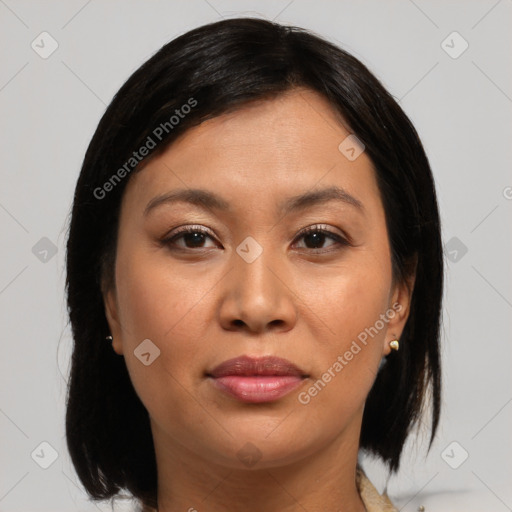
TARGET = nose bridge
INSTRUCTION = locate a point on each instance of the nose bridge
(256, 294)
(252, 263)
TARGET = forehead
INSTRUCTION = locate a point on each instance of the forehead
(286, 145)
(299, 121)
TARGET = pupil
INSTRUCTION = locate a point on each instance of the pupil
(196, 239)
(315, 238)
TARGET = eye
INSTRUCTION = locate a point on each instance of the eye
(193, 237)
(317, 235)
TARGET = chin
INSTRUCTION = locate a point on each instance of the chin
(249, 450)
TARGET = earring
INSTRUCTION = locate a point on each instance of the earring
(109, 338)
(394, 345)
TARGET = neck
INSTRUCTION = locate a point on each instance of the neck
(324, 480)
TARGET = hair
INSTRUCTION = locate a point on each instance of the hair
(221, 67)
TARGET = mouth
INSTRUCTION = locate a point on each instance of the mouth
(256, 380)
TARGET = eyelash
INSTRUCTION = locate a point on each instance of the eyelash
(340, 241)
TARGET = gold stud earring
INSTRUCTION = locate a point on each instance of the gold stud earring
(394, 345)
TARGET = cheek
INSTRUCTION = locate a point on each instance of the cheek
(166, 307)
(350, 299)
(351, 304)
(157, 300)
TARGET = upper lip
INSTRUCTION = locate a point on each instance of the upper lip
(252, 366)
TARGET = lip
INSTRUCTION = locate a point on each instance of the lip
(257, 380)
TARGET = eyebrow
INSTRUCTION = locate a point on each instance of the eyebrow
(210, 200)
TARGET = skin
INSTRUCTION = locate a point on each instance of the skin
(202, 304)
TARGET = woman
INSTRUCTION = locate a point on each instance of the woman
(254, 279)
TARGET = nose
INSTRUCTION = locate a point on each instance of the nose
(257, 297)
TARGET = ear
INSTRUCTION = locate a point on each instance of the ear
(398, 311)
(112, 314)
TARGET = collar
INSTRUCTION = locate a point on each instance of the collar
(372, 500)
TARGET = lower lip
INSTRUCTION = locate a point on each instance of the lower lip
(257, 389)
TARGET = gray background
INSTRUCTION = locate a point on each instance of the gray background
(462, 109)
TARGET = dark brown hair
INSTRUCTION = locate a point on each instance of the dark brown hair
(222, 66)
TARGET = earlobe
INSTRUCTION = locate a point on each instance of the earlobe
(398, 313)
(401, 297)
(111, 313)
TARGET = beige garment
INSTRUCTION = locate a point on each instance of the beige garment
(373, 501)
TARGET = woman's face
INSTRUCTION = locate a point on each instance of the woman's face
(248, 282)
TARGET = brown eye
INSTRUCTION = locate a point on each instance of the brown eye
(194, 237)
(315, 237)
